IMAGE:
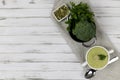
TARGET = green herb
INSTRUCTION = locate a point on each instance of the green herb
(81, 21)
(61, 12)
(101, 57)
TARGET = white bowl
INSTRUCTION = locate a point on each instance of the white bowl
(57, 9)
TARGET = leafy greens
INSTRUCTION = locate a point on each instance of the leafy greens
(81, 22)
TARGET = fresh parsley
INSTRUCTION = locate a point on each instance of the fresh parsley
(81, 21)
(102, 57)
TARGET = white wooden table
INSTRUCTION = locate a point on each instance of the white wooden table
(32, 47)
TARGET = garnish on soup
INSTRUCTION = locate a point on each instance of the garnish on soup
(101, 57)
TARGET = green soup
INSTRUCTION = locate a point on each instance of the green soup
(93, 58)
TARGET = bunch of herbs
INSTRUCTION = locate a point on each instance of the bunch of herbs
(81, 21)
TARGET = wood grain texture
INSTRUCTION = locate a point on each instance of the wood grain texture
(32, 47)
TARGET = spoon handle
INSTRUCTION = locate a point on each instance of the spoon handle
(113, 60)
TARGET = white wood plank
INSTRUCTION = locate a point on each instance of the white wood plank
(37, 58)
(25, 22)
(33, 40)
(35, 30)
(65, 75)
(25, 13)
(35, 48)
(25, 3)
(42, 67)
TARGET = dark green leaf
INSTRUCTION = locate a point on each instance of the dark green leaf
(101, 57)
